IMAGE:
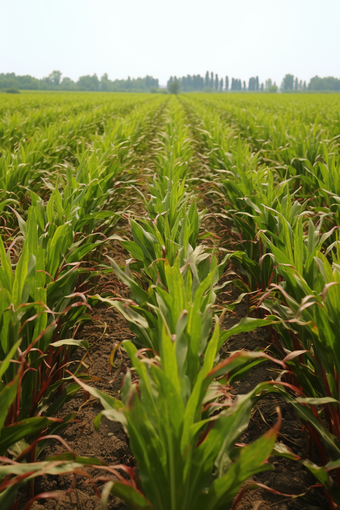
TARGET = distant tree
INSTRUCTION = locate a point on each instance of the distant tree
(257, 83)
(236, 84)
(55, 78)
(88, 82)
(252, 83)
(190, 82)
(300, 85)
(288, 82)
(197, 82)
(67, 84)
(216, 81)
(149, 82)
(129, 83)
(327, 83)
(174, 86)
(207, 82)
(105, 82)
(221, 84)
(304, 87)
(273, 88)
(212, 80)
(194, 82)
(227, 83)
(53, 82)
(268, 84)
(262, 87)
(244, 85)
(296, 84)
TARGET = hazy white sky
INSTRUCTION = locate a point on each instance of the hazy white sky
(239, 38)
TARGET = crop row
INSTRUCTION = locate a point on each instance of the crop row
(66, 214)
(171, 394)
(279, 200)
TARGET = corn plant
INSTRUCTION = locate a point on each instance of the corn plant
(309, 322)
(43, 300)
(186, 457)
(280, 216)
(186, 303)
(23, 442)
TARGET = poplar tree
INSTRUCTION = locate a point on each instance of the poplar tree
(288, 82)
(226, 83)
(252, 84)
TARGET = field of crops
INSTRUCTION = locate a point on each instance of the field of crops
(169, 301)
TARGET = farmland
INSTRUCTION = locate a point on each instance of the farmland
(169, 301)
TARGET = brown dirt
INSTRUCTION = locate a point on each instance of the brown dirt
(109, 443)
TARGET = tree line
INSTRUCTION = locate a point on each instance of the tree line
(212, 83)
(54, 81)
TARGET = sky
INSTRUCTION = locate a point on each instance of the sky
(238, 38)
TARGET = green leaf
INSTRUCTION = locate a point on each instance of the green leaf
(250, 462)
(6, 267)
(25, 428)
(131, 496)
(6, 362)
(7, 396)
(245, 325)
(127, 312)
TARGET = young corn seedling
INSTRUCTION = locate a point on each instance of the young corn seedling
(310, 326)
(40, 306)
(156, 241)
(186, 457)
(185, 302)
(21, 443)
